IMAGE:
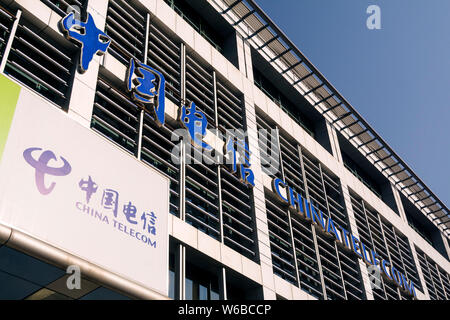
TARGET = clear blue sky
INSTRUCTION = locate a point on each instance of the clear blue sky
(398, 78)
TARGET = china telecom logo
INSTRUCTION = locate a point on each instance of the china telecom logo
(42, 168)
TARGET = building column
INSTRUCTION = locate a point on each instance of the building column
(262, 230)
(223, 284)
(426, 295)
(244, 57)
(248, 60)
(446, 244)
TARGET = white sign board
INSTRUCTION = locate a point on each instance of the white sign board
(65, 185)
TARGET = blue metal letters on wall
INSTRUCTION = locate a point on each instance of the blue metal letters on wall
(92, 40)
(148, 87)
(194, 120)
(306, 210)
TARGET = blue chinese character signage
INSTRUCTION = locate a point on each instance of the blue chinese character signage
(147, 86)
(91, 39)
(195, 122)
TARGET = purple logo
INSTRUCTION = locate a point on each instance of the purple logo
(42, 168)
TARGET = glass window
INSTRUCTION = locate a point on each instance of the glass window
(287, 106)
(171, 284)
(196, 21)
(28, 268)
(172, 271)
(104, 294)
(241, 288)
(15, 288)
(361, 174)
(201, 284)
(25, 277)
(189, 289)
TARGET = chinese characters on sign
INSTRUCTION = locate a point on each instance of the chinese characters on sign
(88, 186)
(109, 210)
(110, 200)
(147, 86)
(151, 224)
(129, 210)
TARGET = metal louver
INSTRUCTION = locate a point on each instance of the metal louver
(387, 242)
(200, 87)
(157, 151)
(300, 254)
(164, 54)
(340, 268)
(126, 25)
(437, 281)
(42, 63)
(239, 230)
(61, 6)
(202, 199)
(230, 107)
(269, 149)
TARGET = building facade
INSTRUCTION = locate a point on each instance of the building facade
(322, 207)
